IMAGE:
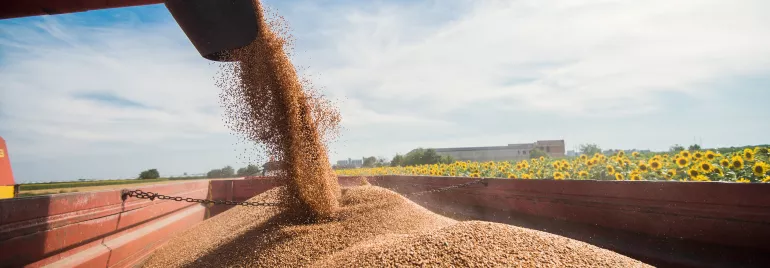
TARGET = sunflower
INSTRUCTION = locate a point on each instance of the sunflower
(766, 179)
(706, 167)
(556, 165)
(610, 169)
(743, 180)
(760, 168)
(636, 176)
(643, 167)
(567, 175)
(512, 176)
(475, 175)
(621, 153)
(583, 157)
(701, 178)
(759, 150)
(591, 162)
(558, 176)
(619, 177)
(682, 162)
(710, 155)
(685, 154)
(736, 162)
(635, 154)
(655, 164)
(719, 171)
(542, 159)
(748, 154)
(724, 162)
(697, 155)
(670, 174)
(526, 176)
(583, 174)
(693, 172)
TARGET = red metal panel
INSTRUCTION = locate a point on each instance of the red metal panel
(6, 175)
(25, 8)
(77, 224)
(245, 189)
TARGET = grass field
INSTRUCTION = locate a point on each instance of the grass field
(47, 188)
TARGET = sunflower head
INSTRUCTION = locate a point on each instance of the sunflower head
(685, 154)
(635, 154)
(719, 171)
(760, 168)
(766, 179)
(682, 161)
(610, 169)
(710, 155)
(526, 176)
(583, 174)
(655, 164)
(693, 172)
(724, 162)
(697, 155)
(643, 167)
(556, 165)
(511, 176)
(748, 154)
(619, 177)
(542, 158)
(621, 153)
(743, 180)
(736, 162)
(636, 176)
(706, 167)
(761, 150)
(583, 157)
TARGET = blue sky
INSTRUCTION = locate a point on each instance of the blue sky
(106, 94)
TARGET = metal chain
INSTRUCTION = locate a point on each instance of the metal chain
(152, 196)
(443, 189)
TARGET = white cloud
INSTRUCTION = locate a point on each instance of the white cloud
(556, 56)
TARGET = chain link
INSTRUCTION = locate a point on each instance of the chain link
(152, 196)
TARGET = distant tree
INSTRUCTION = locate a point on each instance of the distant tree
(537, 153)
(228, 171)
(694, 147)
(241, 171)
(149, 174)
(421, 156)
(590, 149)
(369, 161)
(397, 161)
(252, 170)
(676, 148)
(214, 173)
(447, 159)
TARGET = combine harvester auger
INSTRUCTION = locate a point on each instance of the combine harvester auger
(214, 27)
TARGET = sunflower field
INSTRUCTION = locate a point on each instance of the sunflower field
(749, 165)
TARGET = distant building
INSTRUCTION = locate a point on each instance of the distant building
(350, 163)
(572, 153)
(554, 148)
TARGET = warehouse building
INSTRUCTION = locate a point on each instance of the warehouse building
(554, 148)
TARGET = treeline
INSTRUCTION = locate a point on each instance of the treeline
(228, 171)
(420, 156)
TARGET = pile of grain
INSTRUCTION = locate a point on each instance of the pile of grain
(321, 226)
(376, 227)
